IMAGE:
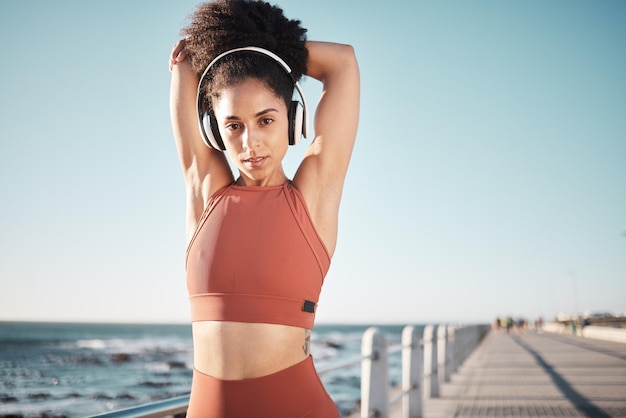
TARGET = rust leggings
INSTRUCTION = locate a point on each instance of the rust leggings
(295, 392)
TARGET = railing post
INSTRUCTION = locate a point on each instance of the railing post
(451, 352)
(431, 378)
(463, 344)
(374, 379)
(443, 356)
(411, 373)
(462, 338)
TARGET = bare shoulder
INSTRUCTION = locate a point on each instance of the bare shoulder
(200, 188)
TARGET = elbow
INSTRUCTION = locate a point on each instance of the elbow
(344, 64)
(327, 59)
(350, 65)
(348, 55)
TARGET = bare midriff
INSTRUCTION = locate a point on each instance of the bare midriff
(241, 350)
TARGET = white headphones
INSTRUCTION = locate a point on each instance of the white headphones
(298, 112)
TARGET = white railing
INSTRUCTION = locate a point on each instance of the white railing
(442, 350)
(164, 408)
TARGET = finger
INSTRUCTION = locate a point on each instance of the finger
(178, 53)
(180, 57)
(179, 46)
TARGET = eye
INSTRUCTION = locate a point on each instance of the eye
(233, 126)
(266, 121)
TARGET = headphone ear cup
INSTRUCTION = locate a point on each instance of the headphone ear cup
(296, 119)
(211, 133)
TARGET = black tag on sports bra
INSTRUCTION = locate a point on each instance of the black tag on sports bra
(308, 306)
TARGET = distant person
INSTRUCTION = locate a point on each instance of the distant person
(260, 244)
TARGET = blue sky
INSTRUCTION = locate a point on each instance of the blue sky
(488, 178)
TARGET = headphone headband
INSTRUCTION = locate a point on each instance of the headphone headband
(248, 48)
(209, 134)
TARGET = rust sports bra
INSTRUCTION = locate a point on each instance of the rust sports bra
(256, 257)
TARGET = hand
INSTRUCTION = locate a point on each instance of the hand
(178, 53)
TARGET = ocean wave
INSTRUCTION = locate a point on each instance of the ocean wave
(95, 344)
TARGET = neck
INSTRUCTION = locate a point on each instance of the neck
(276, 180)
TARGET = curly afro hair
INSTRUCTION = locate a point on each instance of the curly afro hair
(221, 25)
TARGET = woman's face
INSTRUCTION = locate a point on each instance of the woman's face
(253, 123)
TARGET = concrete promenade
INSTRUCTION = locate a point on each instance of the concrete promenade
(530, 374)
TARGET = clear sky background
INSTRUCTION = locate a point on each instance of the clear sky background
(488, 178)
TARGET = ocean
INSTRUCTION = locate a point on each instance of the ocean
(81, 369)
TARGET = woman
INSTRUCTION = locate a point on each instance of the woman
(259, 244)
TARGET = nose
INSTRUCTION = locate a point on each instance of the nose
(250, 139)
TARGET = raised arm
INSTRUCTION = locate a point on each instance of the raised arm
(205, 170)
(321, 175)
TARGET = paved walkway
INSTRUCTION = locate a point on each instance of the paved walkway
(536, 375)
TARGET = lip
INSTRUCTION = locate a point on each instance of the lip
(254, 162)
